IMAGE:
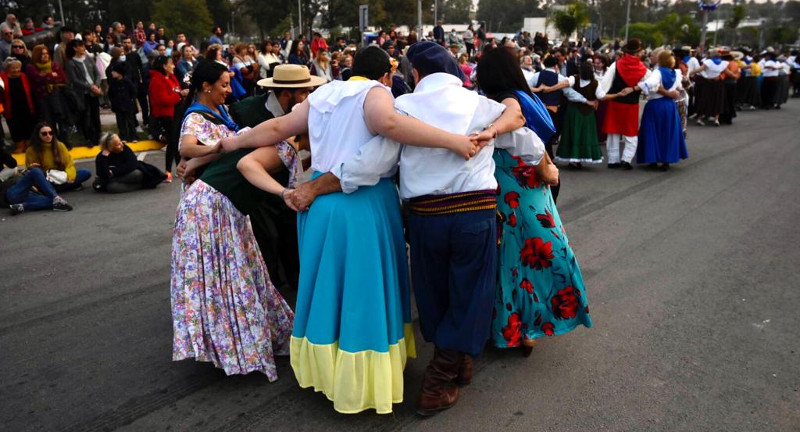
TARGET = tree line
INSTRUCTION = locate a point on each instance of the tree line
(655, 21)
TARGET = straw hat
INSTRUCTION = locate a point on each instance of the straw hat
(737, 55)
(291, 76)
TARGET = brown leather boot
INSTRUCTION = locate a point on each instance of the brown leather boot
(464, 377)
(438, 390)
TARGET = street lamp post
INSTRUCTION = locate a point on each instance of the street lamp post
(627, 20)
(702, 47)
(299, 19)
(61, 11)
(419, 18)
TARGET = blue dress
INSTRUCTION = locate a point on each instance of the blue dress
(540, 290)
(352, 330)
(661, 136)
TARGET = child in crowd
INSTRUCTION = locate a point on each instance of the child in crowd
(122, 94)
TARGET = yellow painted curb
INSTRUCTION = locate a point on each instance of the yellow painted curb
(91, 152)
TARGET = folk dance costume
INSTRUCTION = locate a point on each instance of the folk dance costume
(660, 134)
(770, 70)
(710, 93)
(579, 142)
(225, 310)
(683, 100)
(622, 119)
(554, 102)
(452, 225)
(692, 64)
(352, 332)
(540, 290)
(748, 94)
(730, 77)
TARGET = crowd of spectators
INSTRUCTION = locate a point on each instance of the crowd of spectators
(143, 75)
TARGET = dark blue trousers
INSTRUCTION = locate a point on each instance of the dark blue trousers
(22, 193)
(453, 270)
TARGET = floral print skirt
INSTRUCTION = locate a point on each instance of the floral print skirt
(540, 290)
(225, 310)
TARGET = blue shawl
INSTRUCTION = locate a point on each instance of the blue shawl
(667, 77)
(537, 118)
(222, 116)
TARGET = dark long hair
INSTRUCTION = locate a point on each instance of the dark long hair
(206, 71)
(36, 143)
(160, 63)
(586, 70)
(498, 71)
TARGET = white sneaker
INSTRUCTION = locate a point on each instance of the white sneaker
(139, 129)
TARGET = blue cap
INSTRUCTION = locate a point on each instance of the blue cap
(429, 58)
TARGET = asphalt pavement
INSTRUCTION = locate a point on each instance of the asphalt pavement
(692, 279)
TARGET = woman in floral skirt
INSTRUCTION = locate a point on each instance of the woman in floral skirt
(224, 308)
(540, 288)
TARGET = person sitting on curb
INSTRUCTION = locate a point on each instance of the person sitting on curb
(52, 157)
(17, 189)
(118, 169)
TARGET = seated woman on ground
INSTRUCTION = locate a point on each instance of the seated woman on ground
(17, 189)
(119, 171)
(52, 157)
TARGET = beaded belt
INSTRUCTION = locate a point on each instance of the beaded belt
(436, 205)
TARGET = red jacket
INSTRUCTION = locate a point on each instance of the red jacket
(7, 95)
(163, 96)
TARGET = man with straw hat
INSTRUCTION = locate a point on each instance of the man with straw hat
(289, 86)
(622, 118)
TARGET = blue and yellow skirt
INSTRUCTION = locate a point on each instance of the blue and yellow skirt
(352, 332)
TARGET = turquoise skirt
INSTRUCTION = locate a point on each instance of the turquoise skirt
(352, 331)
(540, 289)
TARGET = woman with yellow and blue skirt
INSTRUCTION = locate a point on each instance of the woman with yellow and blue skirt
(352, 333)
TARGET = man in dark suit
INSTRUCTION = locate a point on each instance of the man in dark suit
(290, 85)
(137, 76)
(438, 33)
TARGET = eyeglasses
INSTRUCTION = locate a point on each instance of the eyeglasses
(46, 133)
(18, 46)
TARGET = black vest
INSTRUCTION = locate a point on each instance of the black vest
(618, 85)
(549, 78)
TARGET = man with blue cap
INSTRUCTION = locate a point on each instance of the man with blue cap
(452, 223)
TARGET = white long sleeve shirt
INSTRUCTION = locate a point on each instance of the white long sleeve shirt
(441, 101)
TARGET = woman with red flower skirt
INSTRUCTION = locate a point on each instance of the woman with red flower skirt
(540, 287)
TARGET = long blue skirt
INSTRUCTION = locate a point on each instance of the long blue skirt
(352, 332)
(661, 134)
(540, 288)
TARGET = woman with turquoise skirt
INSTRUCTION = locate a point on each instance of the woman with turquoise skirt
(540, 290)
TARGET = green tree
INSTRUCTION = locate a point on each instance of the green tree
(648, 33)
(220, 12)
(738, 13)
(456, 11)
(575, 16)
(507, 16)
(190, 17)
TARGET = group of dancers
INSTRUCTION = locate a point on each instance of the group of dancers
(602, 101)
(482, 242)
(602, 105)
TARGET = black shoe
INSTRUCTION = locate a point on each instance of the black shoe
(664, 167)
(626, 166)
(16, 209)
(614, 165)
(61, 205)
(652, 166)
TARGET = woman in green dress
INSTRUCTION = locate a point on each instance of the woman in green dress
(579, 141)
